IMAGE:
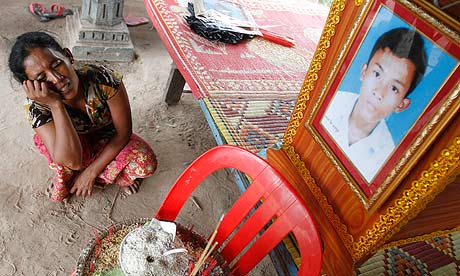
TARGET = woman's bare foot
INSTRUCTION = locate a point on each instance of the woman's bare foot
(133, 188)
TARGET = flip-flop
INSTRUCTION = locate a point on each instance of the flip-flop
(133, 188)
(56, 11)
(36, 6)
(38, 10)
(132, 21)
(100, 185)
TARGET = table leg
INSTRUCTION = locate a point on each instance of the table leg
(175, 86)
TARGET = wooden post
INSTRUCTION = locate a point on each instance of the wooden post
(174, 86)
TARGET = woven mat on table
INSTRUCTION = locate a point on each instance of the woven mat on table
(254, 124)
(253, 72)
(249, 88)
(251, 66)
(435, 256)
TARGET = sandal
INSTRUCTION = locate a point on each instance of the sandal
(38, 10)
(100, 185)
(132, 21)
(133, 188)
(56, 11)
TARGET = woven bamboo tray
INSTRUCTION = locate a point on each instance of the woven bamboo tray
(101, 252)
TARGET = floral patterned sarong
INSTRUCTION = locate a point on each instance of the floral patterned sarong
(135, 160)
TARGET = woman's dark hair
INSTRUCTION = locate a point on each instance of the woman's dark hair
(404, 43)
(22, 47)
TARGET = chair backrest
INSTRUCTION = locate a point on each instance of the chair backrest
(278, 205)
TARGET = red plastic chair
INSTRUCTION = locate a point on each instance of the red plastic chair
(273, 195)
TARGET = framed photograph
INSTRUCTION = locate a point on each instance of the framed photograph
(224, 13)
(395, 86)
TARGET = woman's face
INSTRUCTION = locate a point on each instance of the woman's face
(54, 68)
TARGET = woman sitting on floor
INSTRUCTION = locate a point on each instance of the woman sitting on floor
(81, 119)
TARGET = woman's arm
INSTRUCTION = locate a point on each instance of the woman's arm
(121, 117)
(59, 136)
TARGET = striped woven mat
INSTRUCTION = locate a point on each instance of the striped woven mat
(249, 88)
(253, 124)
(435, 256)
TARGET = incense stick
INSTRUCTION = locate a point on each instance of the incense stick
(201, 263)
(207, 250)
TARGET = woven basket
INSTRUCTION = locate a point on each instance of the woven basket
(88, 254)
(101, 246)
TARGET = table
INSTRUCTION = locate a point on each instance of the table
(247, 91)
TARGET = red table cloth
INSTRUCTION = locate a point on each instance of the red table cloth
(249, 88)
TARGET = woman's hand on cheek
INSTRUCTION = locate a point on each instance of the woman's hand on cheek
(83, 185)
(39, 91)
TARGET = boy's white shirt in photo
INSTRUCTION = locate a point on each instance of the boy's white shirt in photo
(367, 154)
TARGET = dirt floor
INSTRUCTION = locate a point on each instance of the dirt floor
(39, 237)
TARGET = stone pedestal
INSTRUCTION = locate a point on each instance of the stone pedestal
(88, 39)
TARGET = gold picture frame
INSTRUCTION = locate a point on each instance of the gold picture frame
(353, 226)
(433, 101)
